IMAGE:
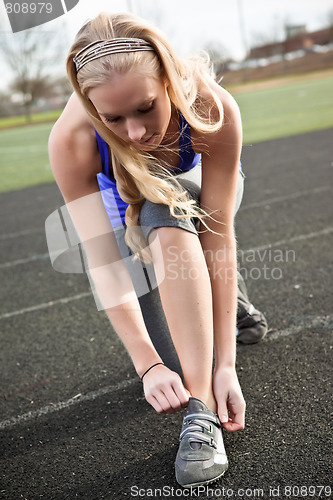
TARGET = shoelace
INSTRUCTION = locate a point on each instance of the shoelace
(195, 426)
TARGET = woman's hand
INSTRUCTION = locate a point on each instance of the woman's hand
(229, 398)
(164, 390)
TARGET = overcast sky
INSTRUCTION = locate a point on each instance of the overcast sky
(192, 24)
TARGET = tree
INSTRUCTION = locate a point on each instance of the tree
(218, 55)
(62, 90)
(30, 55)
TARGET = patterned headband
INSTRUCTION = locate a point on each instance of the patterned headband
(102, 48)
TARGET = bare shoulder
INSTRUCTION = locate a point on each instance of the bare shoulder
(73, 133)
(73, 149)
(231, 128)
(229, 104)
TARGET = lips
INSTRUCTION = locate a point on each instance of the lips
(148, 141)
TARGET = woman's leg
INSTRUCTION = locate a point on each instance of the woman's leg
(185, 292)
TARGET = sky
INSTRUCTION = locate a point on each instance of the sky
(191, 25)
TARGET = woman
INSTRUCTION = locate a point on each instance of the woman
(144, 135)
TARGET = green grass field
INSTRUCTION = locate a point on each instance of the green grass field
(283, 110)
(16, 121)
(287, 109)
(23, 157)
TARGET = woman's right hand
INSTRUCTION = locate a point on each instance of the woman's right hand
(164, 390)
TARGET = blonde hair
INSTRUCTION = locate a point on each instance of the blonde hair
(137, 174)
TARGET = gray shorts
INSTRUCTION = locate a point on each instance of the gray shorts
(155, 215)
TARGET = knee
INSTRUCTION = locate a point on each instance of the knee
(167, 236)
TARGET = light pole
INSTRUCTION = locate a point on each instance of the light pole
(243, 36)
(242, 26)
(130, 7)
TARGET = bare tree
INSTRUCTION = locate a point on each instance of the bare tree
(30, 55)
(218, 55)
(62, 90)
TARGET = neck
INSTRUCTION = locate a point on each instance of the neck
(171, 136)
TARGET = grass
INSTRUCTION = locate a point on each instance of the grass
(284, 109)
(16, 121)
(24, 157)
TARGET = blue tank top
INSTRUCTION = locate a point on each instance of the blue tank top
(114, 204)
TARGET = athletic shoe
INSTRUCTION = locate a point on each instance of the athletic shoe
(201, 457)
(251, 323)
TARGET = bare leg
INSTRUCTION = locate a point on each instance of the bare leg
(187, 302)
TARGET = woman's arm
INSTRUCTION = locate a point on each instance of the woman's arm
(75, 163)
(219, 184)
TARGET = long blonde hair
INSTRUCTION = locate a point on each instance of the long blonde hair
(137, 174)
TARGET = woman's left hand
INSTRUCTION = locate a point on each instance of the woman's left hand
(229, 398)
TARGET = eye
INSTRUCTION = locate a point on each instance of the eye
(111, 120)
(147, 110)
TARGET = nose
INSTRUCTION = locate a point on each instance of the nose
(135, 130)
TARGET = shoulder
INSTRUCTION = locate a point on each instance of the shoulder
(73, 133)
(231, 128)
(220, 149)
(73, 147)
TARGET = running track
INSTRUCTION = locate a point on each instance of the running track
(73, 420)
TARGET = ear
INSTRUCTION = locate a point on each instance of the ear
(166, 81)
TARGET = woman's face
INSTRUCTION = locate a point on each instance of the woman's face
(135, 107)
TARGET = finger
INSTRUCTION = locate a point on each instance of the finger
(178, 398)
(237, 415)
(232, 426)
(164, 402)
(171, 397)
(182, 394)
(154, 403)
(223, 413)
(188, 396)
(236, 422)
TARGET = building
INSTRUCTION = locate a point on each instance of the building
(297, 38)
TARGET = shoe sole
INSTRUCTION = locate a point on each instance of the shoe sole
(203, 483)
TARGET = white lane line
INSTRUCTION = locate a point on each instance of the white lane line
(65, 300)
(79, 398)
(18, 262)
(277, 199)
(300, 237)
(45, 305)
(306, 323)
(242, 207)
(24, 232)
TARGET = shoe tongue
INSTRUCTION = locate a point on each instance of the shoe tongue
(195, 405)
